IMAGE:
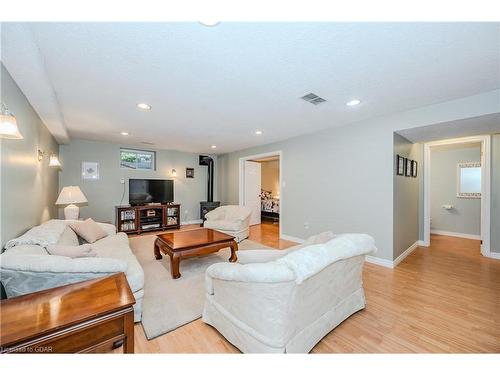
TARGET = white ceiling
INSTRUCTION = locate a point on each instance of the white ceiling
(217, 85)
(487, 124)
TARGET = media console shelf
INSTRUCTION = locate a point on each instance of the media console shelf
(138, 219)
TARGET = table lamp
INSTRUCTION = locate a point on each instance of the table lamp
(71, 195)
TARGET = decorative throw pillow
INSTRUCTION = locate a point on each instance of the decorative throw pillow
(81, 251)
(68, 237)
(89, 230)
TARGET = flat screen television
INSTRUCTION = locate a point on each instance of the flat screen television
(142, 191)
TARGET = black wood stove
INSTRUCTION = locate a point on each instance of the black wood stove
(209, 205)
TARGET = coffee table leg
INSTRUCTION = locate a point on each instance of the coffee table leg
(234, 249)
(157, 250)
(174, 266)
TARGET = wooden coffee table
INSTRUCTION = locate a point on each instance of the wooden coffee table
(192, 243)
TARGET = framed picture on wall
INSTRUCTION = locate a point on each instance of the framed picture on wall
(414, 168)
(189, 172)
(90, 170)
(400, 165)
(408, 167)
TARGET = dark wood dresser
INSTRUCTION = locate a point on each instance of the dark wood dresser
(86, 317)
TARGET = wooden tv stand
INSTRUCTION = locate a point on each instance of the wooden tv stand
(138, 219)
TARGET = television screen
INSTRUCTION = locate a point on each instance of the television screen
(150, 191)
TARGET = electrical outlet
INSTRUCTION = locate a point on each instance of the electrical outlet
(306, 225)
(122, 180)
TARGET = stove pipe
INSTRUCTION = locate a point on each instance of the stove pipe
(208, 161)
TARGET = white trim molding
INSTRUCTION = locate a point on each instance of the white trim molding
(379, 261)
(405, 253)
(392, 264)
(485, 141)
(454, 234)
(241, 182)
(492, 255)
(292, 238)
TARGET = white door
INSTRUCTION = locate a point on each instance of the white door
(252, 190)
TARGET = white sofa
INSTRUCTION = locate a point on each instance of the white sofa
(26, 266)
(233, 220)
(285, 302)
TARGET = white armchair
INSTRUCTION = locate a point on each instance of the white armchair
(232, 220)
(289, 303)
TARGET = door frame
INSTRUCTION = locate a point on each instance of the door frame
(485, 141)
(241, 180)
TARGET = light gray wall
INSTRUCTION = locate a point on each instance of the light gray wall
(465, 217)
(495, 194)
(104, 194)
(341, 179)
(407, 192)
(28, 187)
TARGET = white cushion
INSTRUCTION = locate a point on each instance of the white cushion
(312, 259)
(223, 225)
(88, 230)
(82, 251)
(68, 237)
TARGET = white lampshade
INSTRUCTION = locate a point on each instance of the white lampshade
(54, 161)
(8, 125)
(71, 195)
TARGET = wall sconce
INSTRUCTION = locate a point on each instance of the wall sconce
(8, 124)
(174, 173)
(53, 159)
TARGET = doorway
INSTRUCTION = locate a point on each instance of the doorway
(467, 163)
(260, 187)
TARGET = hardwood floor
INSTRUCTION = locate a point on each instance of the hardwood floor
(268, 234)
(445, 299)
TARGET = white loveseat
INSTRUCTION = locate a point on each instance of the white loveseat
(275, 303)
(26, 266)
(233, 220)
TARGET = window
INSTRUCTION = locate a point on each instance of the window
(137, 159)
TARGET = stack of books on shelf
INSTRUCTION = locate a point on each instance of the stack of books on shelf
(128, 226)
(127, 215)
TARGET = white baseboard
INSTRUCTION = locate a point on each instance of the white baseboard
(405, 253)
(395, 262)
(379, 261)
(197, 221)
(422, 243)
(492, 255)
(454, 234)
(292, 238)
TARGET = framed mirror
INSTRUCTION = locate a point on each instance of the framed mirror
(469, 180)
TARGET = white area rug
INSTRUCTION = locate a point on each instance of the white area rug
(168, 303)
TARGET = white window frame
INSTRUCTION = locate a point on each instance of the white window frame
(137, 151)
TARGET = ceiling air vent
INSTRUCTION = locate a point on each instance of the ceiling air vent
(313, 99)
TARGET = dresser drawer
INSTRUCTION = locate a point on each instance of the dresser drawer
(87, 337)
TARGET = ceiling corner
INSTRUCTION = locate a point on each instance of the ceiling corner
(21, 57)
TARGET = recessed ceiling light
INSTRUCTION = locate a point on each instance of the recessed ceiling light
(124, 133)
(144, 106)
(209, 22)
(258, 132)
(213, 146)
(352, 103)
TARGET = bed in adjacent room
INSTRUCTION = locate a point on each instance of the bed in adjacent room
(270, 206)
